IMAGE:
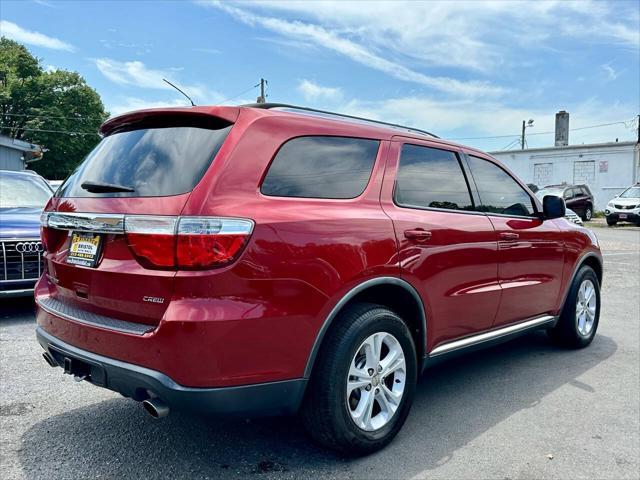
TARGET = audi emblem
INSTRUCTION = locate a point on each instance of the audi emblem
(29, 247)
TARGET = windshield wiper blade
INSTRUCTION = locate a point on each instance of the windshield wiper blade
(101, 187)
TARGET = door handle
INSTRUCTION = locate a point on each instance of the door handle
(509, 236)
(418, 235)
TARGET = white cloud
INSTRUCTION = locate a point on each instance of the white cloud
(311, 91)
(490, 118)
(133, 103)
(137, 74)
(611, 73)
(19, 34)
(333, 40)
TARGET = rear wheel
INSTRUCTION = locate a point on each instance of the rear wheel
(588, 213)
(364, 381)
(579, 319)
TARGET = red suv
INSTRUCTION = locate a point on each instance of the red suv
(272, 259)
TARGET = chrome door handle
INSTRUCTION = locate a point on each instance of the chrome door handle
(418, 235)
(509, 236)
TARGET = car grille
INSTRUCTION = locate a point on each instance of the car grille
(20, 259)
(624, 207)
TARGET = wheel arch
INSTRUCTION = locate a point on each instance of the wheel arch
(590, 259)
(392, 292)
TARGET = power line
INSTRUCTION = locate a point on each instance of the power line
(625, 122)
(49, 131)
(37, 115)
(239, 94)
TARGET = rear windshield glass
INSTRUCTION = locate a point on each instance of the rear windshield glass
(147, 162)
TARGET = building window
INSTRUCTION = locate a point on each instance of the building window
(542, 174)
(584, 172)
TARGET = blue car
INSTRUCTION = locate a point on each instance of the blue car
(23, 195)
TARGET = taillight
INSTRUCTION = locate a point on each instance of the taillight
(52, 239)
(205, 242)
(189, 243)
(152, 239)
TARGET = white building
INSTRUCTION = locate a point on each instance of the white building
(608, 168)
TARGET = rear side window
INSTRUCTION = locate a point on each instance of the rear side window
(499, 192)
(321, 167)
(158, 161)
(431, 178)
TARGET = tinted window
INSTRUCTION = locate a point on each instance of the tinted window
(499, 192)
(152, 161)
(321, 167)
(429, 177)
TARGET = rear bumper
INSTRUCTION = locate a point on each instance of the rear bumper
(140, 383)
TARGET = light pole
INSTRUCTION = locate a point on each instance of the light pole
(524, 126)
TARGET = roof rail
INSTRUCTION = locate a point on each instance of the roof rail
(284, 106)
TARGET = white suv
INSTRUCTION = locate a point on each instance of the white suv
(625, 207)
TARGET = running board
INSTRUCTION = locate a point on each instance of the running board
(493, 336)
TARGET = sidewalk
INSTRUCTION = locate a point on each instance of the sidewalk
(602, 223)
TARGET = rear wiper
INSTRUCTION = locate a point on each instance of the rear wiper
(101, 187)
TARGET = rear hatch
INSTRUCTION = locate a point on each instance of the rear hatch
(109, 231)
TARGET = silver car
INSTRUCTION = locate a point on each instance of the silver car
(624, 207)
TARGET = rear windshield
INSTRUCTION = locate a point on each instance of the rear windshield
(157, 161)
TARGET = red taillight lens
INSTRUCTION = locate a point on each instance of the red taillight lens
(189, 243)
(205, 242)
(52, 239)
(152, 240)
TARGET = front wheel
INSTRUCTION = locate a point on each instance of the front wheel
(364, 381)
(579, 319)
(611, 222)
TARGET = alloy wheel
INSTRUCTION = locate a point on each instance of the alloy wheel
(586, 305)
(376, 381)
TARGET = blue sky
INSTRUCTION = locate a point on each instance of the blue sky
(459, 69)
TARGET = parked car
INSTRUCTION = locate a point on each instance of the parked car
(23, 195)
(577, 197)
(624, 207)
(268, 259)
(573, 217)
(55, 184)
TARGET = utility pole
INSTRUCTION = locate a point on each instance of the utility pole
(524, 126)
(262, 98)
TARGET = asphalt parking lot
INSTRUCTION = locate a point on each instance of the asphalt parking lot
(521, 410)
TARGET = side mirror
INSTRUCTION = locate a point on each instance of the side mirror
(553, 207)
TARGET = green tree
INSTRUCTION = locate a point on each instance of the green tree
(36, 106)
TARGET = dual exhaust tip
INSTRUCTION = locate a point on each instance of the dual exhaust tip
(154, 406)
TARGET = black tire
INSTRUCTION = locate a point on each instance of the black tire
(566, 332)
(611, 222)
(588, 213)
(325, 412)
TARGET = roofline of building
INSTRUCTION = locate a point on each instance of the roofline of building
(567, 147)
(20, 145)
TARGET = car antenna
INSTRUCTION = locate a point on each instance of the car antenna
(188, 97)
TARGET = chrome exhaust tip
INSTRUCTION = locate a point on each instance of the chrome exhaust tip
(156, 407)
(49, 359)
